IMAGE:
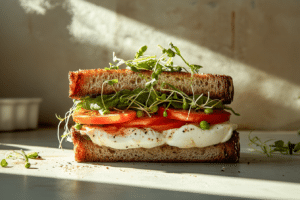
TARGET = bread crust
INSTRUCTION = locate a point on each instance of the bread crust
(89, 83)
(86, 151)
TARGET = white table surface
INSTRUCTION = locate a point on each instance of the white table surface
(59, 176)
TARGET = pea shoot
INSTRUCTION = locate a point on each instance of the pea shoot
(139, 113)
(204, 125)
(208, 111)
(78, 126)
(20, 155)
(165, 114)
(3, 163)
(27, 165)
(288, 148)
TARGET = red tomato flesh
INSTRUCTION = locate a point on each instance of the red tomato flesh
(144, 121)
(160, 126)
(167, 124)
(94, 117)
(218, 116)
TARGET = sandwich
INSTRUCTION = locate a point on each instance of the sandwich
(152, 111)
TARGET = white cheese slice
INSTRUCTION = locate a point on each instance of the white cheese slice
(186, 136)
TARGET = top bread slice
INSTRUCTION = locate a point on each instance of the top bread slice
(89, 83)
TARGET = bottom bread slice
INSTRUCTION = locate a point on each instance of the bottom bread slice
(87, 151)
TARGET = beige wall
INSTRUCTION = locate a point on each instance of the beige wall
(255, 42)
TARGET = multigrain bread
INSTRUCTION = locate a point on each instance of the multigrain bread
(87, 151)
(89, 83)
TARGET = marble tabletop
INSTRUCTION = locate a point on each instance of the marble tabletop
(58, 176)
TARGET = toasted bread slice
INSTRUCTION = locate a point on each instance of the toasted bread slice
(87, 151)
(89, 83)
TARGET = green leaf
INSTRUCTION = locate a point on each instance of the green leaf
(113, 81)
(176, 48)
(78, 126)
(297, 147)
(142, 98)
(133, 68)
(141, 51)
(27, 165)
(33, 155)
(59, 118)
(229, 108)
(176, 105)
(195, 68)
(151, 98)
(279, 143)
(170, 53)
(3, 163)
(111, 104)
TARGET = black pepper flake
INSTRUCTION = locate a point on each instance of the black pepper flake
(134, 133)
(126, 147)
(114, 136)
(146, 132)
(115, 141)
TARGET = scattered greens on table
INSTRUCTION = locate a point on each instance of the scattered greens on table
(278, 146)
(19, 155)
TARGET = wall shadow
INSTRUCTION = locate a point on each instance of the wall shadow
(246, 32)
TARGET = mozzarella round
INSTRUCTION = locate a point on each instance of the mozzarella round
(187, 136)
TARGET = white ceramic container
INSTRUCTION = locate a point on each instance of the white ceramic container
(19, 113)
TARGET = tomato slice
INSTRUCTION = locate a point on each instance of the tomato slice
(144, 121)
(218, 116)
(167, 124)
(118, 129)
(94, 117)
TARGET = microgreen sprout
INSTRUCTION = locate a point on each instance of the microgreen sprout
(27, 165)
(33, 155)
(278, 146)
(78, 126)
(3, 163)
(21, 155)
(265, 148)
(66, 119)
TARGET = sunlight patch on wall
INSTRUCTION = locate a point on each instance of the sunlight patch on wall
(91, 23)
(36, 6)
